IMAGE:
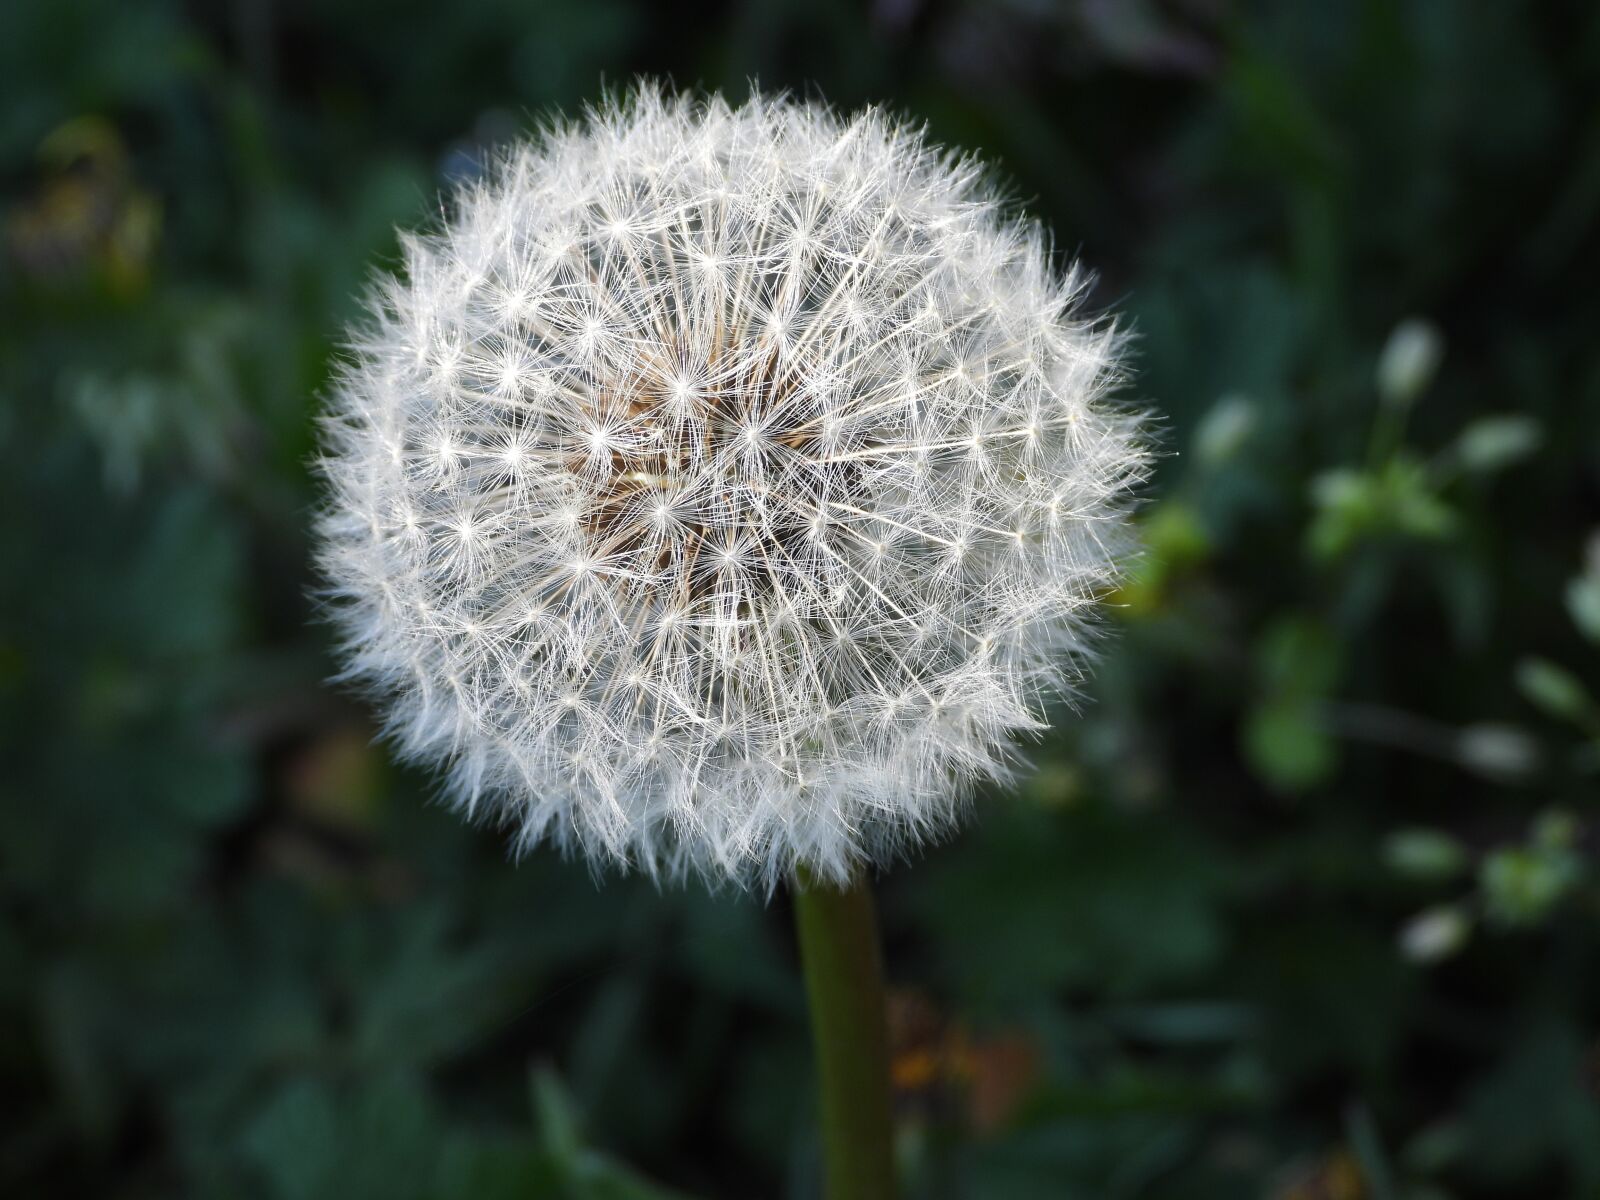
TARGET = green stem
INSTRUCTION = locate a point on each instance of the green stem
(843, 966)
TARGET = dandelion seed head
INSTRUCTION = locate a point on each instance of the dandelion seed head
(722, 490)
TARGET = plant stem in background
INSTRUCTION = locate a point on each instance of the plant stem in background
(839, 953)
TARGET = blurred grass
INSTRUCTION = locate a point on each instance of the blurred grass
(1212, 948)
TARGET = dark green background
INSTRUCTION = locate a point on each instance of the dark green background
(1352, 685)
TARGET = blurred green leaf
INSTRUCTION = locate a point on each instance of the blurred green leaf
(1533, 1111)
(1555, 829)
(1280, 119)
(1429, 854)
(1174, 539)
(1347, 505)
(381, 1142)
(1042, 901)
(1287, 744)
(1376, 1171)
(1521, 885)
(1299, 657)
(1183, 1024)
(583, 1174)
(1285, 739)
(553, 1115)
(1554, 689)
(1353, 506)
(1583, 603)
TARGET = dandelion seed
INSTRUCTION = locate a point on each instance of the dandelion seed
(720, 489)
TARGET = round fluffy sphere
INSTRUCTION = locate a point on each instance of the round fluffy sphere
(721, 489)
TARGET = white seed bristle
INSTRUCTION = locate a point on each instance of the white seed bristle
(721, 489)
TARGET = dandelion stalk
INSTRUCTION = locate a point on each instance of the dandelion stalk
(837, 928)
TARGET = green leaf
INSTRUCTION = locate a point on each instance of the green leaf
(1298, 656)
(1521, 885)
(1287, 745)
(1355, 506)
(1364, 1139)
(1533, 1110)
(1583, 602)
(1555, 689)
(584, 1174)
(1285, 739)
(1086, 897)
(1194, 1023)
(1555, 829)
(1410, 505)
(558, 1126)
(294, 1141)
(1347, 505)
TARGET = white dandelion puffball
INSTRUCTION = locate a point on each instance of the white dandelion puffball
(720, 489)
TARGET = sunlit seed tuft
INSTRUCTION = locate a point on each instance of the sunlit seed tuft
(721, 489)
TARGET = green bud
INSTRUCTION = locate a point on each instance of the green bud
(1424, 854)
(1408, 362)
(1435, 934)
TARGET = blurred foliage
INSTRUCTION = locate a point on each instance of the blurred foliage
(1301, 904)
